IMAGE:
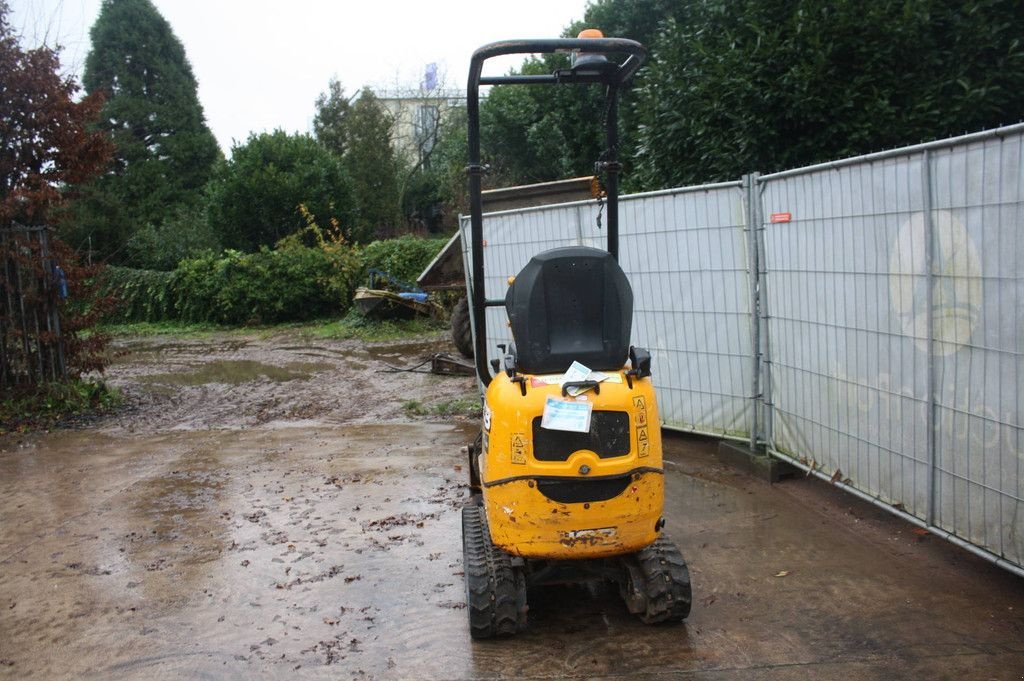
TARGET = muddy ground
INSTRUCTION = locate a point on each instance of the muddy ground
(279, 508)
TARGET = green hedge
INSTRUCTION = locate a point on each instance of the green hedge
(267, 287)
(290, 283)
(294, 283)
(142, 295)
(403, 258)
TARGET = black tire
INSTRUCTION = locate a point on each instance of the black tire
(462, 332)
(657, 587)
(495, 590)
(474, 464)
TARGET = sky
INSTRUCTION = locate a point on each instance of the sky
(261, 64)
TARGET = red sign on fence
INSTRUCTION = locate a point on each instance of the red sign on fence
(780, 217)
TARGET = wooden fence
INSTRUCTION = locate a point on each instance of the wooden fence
(31, 286)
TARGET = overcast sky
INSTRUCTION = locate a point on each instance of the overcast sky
(261, 64)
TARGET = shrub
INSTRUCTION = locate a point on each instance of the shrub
(291, 283)
(142, 295)
(403, 258)
(185, 234)
(294, 283)
(254, 198)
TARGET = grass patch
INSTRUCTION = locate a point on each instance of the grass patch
(358, 326)
(168, 328)
(460, 406)
(54, 403)
(414, 408)
(354, 325)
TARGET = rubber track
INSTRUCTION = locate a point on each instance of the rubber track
(462, 334)
(490, 580)
(666, 582)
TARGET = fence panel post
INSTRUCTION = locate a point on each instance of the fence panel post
(930, 240)
(752, 203)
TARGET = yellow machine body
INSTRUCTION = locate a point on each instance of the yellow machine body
(548, 494)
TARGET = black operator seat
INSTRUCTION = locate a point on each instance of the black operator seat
(570, 304)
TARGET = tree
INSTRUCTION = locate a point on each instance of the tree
(332, 108)
(737, 86)
(165, 152)
(371, 163)
(255, 197)
(537, 134)
(45, 142)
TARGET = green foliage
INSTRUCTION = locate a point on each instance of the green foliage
(292, 282)
(164, 328)
(356, 325)
(771, 84)
(435, 190)
(142, 295)
(371, 163)
(164, 150)
(185, 234)
(734, 86)
(254, 199)
(329, 122)
(403, 258)
(541, 133)
(55, 403)
(266, 287)
(462, 406)
(638, 20)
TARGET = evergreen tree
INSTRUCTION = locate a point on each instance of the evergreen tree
(254, 198)
(742, 85)
(165, 152)
(373, 167)
(329, 121)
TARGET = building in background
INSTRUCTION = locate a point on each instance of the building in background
(418, 113)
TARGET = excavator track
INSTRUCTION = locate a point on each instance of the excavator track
(495, 589)
(657, 588)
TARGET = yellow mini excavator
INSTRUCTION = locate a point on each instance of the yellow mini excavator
(567, 472)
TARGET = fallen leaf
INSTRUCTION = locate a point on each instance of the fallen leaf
(782, 573)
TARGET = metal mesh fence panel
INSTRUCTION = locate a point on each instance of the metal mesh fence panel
(686, 257)
(890, 328)
(893, 291)
(978, 335)
(684, 252)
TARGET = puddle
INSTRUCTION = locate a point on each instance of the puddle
(143, 347)
(404, 350)
(235, 372)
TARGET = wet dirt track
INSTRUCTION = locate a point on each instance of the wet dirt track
(261, 512)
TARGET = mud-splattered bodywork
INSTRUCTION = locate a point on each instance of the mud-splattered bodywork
(557, 495)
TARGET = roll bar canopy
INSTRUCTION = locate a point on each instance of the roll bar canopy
(614, 76)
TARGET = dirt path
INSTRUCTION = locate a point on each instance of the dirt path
(274, 508)
(241, 381)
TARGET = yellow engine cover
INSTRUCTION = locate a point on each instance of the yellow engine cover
(555, 494)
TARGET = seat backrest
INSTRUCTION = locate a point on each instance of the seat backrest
(570, 304)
